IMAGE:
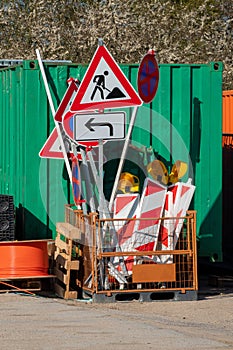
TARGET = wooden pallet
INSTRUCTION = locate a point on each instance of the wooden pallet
(23, 284)
(66, 256)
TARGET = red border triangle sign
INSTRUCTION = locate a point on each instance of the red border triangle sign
(104, 85)
(52, 149)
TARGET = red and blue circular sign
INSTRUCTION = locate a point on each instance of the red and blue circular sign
(148, 77)
(76, 180)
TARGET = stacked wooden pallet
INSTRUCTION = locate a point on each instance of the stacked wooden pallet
(67, 257)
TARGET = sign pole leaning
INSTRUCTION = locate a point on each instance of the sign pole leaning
(53, 113)
(122, 159)
(148, 79)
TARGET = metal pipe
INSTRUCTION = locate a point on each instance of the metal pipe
(122, 159)
(68, 168)
(101, 189)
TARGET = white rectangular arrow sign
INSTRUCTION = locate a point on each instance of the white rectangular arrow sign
(99, 126)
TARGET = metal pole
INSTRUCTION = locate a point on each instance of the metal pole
(68, 168)
(84, 167)
(97, 181)
(122, 159)
(101, 189)
(106, 213)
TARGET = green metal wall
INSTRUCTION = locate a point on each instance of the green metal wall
(37, 185)
(183, 122)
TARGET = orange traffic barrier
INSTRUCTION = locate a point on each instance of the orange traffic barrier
(23, 259)
(227, 112)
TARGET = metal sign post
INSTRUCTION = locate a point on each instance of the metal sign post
(106, 214)
(148, 79)
(59, 132)
(85, 170)
(122, 159)
(101, 186)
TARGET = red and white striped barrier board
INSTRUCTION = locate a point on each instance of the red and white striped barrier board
(182, 196)
(143, 234)
(125, 206)
(151, 209)
(165, 239)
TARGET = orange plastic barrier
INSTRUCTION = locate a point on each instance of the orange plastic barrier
(227, 109)
(23, 258)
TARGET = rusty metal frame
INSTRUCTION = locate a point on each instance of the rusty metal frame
(97, 253)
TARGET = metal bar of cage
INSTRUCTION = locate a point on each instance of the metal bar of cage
(184, 267)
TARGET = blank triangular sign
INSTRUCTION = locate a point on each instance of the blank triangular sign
(104, 85)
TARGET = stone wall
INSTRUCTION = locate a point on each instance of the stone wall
(188, 31)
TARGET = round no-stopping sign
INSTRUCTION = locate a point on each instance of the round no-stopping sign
(148, 77)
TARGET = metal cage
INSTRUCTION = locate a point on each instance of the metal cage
(124, 256)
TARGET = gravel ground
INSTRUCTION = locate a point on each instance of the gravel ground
(41, 323)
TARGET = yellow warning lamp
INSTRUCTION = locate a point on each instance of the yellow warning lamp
(158, 171)
(128, 183)
(179, 169)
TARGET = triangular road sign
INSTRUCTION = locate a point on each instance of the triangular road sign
(66, 100)
(104, 85)
(52, 148)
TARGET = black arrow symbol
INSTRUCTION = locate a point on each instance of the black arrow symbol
(89, 124)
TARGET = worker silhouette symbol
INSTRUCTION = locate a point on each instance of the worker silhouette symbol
(99, 81)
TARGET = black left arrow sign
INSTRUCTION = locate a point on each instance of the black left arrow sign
(89, 124)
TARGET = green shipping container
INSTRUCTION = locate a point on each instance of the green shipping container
(183, 122)
(39, 186)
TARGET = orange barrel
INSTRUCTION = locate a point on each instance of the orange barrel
(23, 258)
